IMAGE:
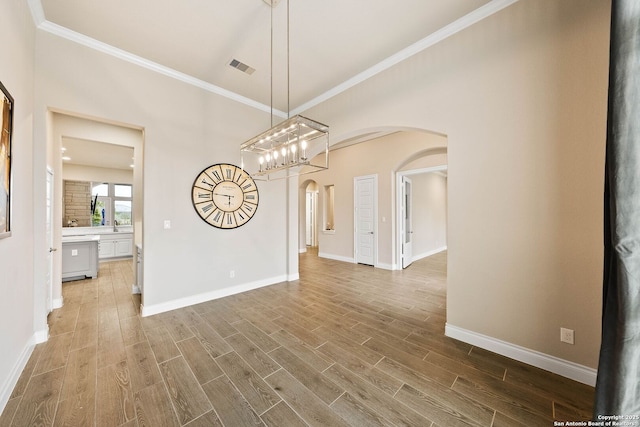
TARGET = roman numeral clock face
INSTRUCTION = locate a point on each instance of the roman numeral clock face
(225, 196)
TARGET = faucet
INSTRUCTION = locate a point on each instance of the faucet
(115, 226)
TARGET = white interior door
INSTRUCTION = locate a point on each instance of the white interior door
(365, 207)
(49, 237)
(407, 228)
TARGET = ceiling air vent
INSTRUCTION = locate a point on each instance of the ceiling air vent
(241, 66)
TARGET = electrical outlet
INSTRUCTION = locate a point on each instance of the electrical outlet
(566, 335)
(232, 274)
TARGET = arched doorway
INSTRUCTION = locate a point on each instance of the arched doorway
(308, 215)
(382, 153)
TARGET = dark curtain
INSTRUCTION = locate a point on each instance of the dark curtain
(618, 384)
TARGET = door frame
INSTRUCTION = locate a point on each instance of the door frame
(399, 207)
(50, 206)
(375, 217)
(406, 219)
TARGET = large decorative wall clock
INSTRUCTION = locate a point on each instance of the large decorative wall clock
(225, 196)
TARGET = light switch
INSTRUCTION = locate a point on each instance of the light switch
(167, 224)
(74, 252)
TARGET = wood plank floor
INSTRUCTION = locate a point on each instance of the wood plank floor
(345, 345)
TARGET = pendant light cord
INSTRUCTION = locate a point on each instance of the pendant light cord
(271, 65)
(288, 65)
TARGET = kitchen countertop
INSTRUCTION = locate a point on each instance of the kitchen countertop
(77, 231)
(81, 238)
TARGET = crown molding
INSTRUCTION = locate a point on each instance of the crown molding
(37, 12)
(445, 32)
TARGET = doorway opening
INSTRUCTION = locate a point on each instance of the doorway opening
(422, 214)
(308, 212)
(89, 151)
(406, 221)
(311, 234)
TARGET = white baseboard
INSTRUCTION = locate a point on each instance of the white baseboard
(135, 289)
(385, 266)
(428, 253)
(57, 303)
(380, 265)
(293, 277)
(302, 250)
(14, 375)
(150, 310)
(40, 336)
(352, 260)
(553, 364)
(336, 257)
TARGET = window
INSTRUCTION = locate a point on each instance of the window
(100, 189)
(111, 202)
(329, 195)
(122, 204)
(101, 208)
(122, 212)
(122, 190)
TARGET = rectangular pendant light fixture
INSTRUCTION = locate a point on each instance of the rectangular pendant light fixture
(295, 146)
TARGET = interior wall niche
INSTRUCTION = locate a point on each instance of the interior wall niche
(329, 207)
(77, 204)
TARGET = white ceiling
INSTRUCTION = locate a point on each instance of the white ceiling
(97, 154)
(334, 44)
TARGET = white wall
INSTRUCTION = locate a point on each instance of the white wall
(20, 326)
(522, 98)
(185, 130)
(429, 214)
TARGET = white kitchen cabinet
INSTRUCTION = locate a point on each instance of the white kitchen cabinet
(116, 245)
(124, 247)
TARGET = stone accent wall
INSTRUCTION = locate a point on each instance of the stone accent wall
(77, 203)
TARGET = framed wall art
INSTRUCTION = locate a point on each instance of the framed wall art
(6, 126)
